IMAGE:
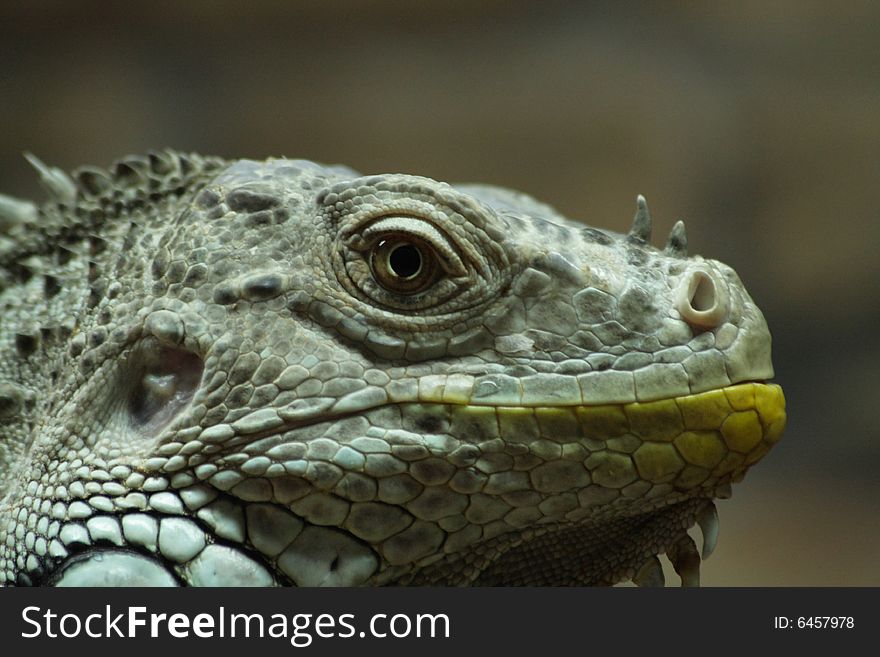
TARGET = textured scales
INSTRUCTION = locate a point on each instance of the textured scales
(258, 373)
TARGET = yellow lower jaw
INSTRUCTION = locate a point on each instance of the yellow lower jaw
(686, 441)
(714, 433)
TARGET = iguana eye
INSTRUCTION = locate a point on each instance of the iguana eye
(403, 264)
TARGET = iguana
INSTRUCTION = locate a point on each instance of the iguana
(276, 372)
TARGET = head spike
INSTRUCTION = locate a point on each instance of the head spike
(57, 183)
(677, 244)
(641, 228)
(15, 211)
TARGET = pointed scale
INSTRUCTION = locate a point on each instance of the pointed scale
(641, 227)
(685, 560)
(677, 244)
(58, 184)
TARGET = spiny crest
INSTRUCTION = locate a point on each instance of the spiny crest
(133, 177)
(79, 204)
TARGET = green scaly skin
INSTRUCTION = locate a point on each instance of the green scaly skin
(279, 373)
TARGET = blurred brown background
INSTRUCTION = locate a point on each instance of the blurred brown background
(757, 122)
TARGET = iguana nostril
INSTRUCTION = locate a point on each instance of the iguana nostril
(702, 300)
(703, 296)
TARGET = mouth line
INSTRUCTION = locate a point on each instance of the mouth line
(246, 427)
(653, 420)
(733, 389)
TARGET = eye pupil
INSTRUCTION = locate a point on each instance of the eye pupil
(403, 265)
(405, 261)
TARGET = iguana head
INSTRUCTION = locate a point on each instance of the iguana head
(259, 373)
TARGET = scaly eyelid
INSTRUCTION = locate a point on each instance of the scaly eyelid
(401, 226)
